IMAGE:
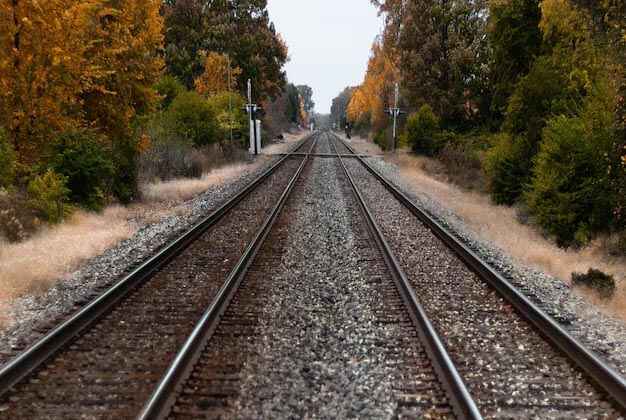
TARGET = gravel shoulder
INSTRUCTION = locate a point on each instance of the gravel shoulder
(34, 315)
(600, 332)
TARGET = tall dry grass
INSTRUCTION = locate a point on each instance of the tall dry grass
(525, 243)
(186, 188)
(288, 141)
(32, 266)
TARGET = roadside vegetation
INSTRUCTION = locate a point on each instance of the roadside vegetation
(109, 104)
(519, 99)
(98, 99)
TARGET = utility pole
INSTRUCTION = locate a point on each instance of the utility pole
(252, 110)
(395, 112)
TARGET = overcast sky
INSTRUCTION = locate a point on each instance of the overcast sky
(329, 43)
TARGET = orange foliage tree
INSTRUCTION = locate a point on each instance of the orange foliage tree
(125, 39)
(75, 63)
(41, 69)
(219, 75)
(369, 100)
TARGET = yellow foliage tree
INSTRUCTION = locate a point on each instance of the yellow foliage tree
(41, 68)
(125, 38)
(71, 63)
(219, 75)
(369, 100)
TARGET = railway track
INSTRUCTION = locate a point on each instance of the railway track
(319, 290)
(105, 360)
(515, 360)
(213, 378)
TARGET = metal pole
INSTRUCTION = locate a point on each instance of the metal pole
(251, 110)
(395, 117)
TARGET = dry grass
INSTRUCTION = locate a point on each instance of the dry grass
(183, 189)
(32, 266)
(363, 145)
(285, 145)
(525, 243)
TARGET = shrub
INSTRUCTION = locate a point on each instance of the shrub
(380, 139)
(570, 194)
(422, 129)
(602, 283)
(87, 167)
(125, 169)
(48, 195)
(193, 118)
(169, 88)
(507, 167)
(461, 156)
(167, 160)
(228, 108)
(7, 161)
(539, 95)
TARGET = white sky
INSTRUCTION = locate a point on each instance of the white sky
(329, 43)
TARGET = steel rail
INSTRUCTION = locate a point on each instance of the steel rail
(460, 399)
(35, 355)
(164, 396)
(603, 375)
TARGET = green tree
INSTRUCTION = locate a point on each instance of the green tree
(87, 167)
(515, 40)
(8, 160)
(193, 118)
(340, 106)
(241, 29)
(422, 130)
(228, 108)
(306, 93)
(443, 51)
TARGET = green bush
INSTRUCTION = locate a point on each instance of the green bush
(48, 195)
(87, 166)
(539, 95)
(507, 167)
(230, 114)
(125, 169)
(422, 131)
(602, 283)
(193, 118)
(169, 88)
(570, 194)
(7, 161)
(380, 139)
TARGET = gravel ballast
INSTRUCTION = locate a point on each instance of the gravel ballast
(599, 332)
(317, 329)
(508, 367)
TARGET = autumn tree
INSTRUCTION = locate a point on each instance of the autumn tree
(241, 29)
(42, 66)
(442, 51)
(125, 62)
(219, 75)
(68, 65)
(369, 100)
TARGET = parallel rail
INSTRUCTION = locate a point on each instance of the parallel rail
(603, 375)
(37, 354)
(161, 401)
(460, 398)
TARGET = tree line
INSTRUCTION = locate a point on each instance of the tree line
(527, 94)
(95, 94)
